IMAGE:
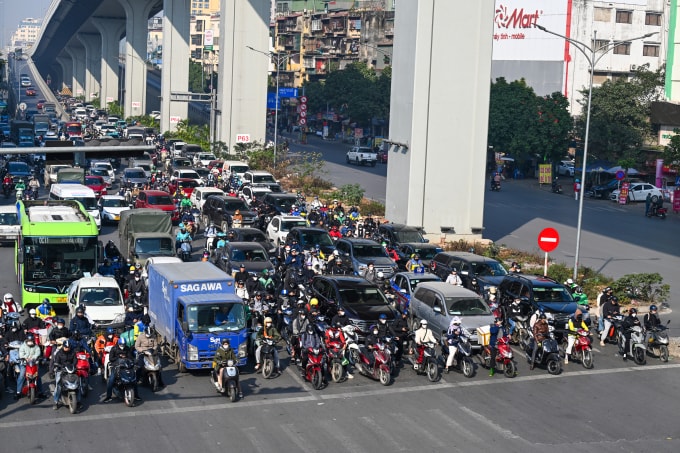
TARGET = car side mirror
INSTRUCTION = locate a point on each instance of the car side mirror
(464, 272)
(426, 241)
(437, 309)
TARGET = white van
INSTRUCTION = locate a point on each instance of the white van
(234, 166)
(9, 223)
(102, 299)
(199, 195)
(80, 193)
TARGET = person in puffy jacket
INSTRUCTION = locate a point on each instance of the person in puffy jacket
(81, 323)
(64, 357)
(541, 332)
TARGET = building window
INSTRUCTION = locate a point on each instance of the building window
(622, 49)
(653, 19)
(602, 14)
(624, 17)
(650, 50)
(199, 25)
(196, 40)
(600, 44)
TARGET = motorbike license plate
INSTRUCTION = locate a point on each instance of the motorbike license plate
(566, 325)
(61, 299)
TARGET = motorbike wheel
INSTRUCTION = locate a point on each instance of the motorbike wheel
(31, 395)
(84, 388)
(663, 353)
(129, 397)
(554, 366)
(153, 382)
(72, 403)
(354, 356)
(467, 367)
(385, 377)
(639, 356)
(510, 369)
(317, 380)
(233, 394)
(267, 368)
(432, 371)
(587, 359)
(336, 372)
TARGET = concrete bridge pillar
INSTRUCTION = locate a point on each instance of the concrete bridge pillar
(77, 54)
(66, 65)
(439, 115)
(175, 72)
(111, 31)
(136, 32)
(242, 84)
(92, 42)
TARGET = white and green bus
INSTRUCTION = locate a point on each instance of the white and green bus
(57, 244)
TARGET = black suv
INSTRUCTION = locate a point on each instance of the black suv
(309, 238)
(541, 293)
(220, 209)
(280, 202)
(363, 301)
(397, 234)
(487, 271)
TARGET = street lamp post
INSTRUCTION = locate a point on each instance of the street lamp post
(590, 54)
(278, 59)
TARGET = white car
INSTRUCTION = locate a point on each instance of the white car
(102, 299)
(107, 166)
(9, 224)
(111, 206)
(203, 159)
(278, 228)
(249, 193)
(156, 260)
(566, 168)
(191, 174)
(638, 192)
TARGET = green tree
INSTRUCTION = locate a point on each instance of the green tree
(671, 154)
(619, 113)
(197, 83)
(191, 133)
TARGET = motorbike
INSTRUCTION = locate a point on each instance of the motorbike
(3, 369)
(657, 342)
(267, 353)
(70, 386)
(19, 194)
(495, 186)
(124, 384)
(185, 250)
(30, 388)
(504, 357)
(82, 370)
(230, 377)
(152, 368)
(379, 368)
(462, 355)
(429, 366)
(582, 351)
(352, 343)
(637, 349)
(520, 335)
(314, 370)
(656, 211)
(336, 361)
(6, 189)
(548, 353)
(614, 329)
(556, 188)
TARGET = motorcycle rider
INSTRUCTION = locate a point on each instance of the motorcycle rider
(241, 275)
(81, 323)
(540, 331)
(514, 311)
(33, 322)
(110, 339)
(370, 273)
(414, 264)
(609, 310)
(496, 181)
(182, 235)
(267, 331)
(494, 330)
(185, 203)
(334, 338)
(20, 186)
(29, 351)
(7, 183)
(64, 357)
(575, 323)
(453, 335)
(401, 330)
(210, 233)
(629, 322)
(341, 318)
(300, 324)
(117, 353)
(9, 304)
(453, 278)
(423, 335)
(309, 339)
(34, 185)
(241, 290)
(223, 355)
(145, 342)
(651, 319)
(384, 329)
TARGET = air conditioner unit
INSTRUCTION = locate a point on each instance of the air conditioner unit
(633, 67)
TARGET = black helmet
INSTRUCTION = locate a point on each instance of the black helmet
(614, 299)
(30, 337)
(542, 316)
(310, 328)
(633, 311)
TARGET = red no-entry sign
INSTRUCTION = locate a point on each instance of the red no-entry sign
(548, 239)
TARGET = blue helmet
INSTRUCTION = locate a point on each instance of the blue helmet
(121, 341)
(382, 316)
(110, 331)
(284, 292)
(181, 226)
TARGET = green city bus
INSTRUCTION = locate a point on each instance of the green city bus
(57, 244)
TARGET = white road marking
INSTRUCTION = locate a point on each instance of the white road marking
(315, 397)
(485, 421)
(460, 429)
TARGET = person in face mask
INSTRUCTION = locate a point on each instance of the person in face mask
(33, 322)
(384, 329)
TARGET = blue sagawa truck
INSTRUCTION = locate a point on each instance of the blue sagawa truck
(193, 307)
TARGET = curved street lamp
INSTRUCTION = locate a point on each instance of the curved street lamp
(590, 54)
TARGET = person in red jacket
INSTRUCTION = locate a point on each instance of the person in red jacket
(334, 339)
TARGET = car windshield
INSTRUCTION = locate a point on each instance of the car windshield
(182, 163)
(93, 181)
(236, 205)
(224, 317)
(103, 165)
(100, 297)
(253, 237)
(248, 255)
(285, 203)
(146, 167)
(362, 295)
(239, 169)
(89, 203)
(114, 203)
(160, 200)
(428, 253)
(489, 269)
(466, 307)
(552, 294)
(8, 218)
(155, 246)
(417, 281)
(369, 251)
(99, 172)
(135, 174)
(286, 225)
(191, 183)
(409, 236)
(316, 238)
(17, 167)
(188, 174)
(263, 178)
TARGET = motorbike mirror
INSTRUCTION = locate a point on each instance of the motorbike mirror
(668, 322)
(131, 206)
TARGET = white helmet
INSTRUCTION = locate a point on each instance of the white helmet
(456, 321)
(7, 297)
(423, 322)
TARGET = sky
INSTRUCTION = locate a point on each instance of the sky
(13, 11)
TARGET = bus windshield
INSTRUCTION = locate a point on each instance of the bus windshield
(59, 258)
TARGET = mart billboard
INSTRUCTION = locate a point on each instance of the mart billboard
(514, 35)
